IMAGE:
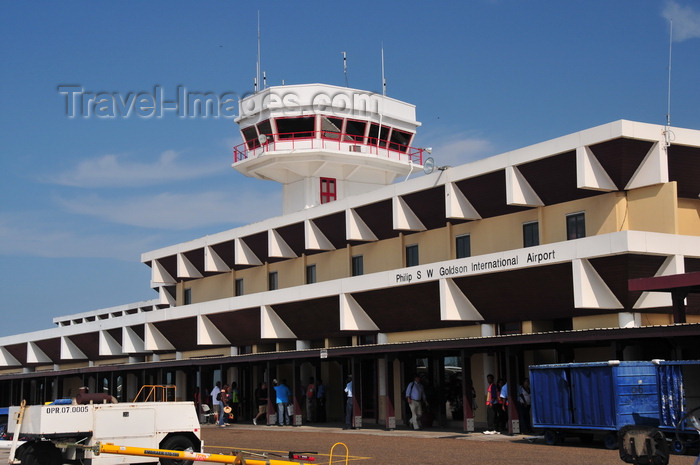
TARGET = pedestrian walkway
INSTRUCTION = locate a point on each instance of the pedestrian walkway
(378, 430)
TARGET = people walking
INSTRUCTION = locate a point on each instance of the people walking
(493, 406)
(216, 400)
(282, 394)
(261, 402)
(348, 404)
(223, 397)
(415, 396)
(524, 401)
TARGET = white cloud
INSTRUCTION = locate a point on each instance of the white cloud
(43, 239)
(118, 171)
(686, 21)
(134, 225)
(459, 148)
(178, 211)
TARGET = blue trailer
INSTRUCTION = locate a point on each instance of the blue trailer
(583, 399)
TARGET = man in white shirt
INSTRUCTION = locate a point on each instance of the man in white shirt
(216, 403)
(415, 396)
(348, 404)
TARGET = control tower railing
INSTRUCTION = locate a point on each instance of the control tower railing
(328, 140)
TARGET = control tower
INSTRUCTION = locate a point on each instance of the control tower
(324, 143)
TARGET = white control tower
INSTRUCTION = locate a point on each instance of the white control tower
(324, 143)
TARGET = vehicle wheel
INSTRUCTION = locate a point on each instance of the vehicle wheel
(678, 446)
(39, 453)
(610, 440)
(551, 437)
(179, 443)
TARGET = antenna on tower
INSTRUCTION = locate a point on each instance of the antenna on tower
(383, 78)
(257, 64)
(667, 130)
(345, 67)
(264, 81)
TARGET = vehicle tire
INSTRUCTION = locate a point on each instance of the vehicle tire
(39, 453)
(678, 446)
(610, 440)
(179, 443)
(551, 437)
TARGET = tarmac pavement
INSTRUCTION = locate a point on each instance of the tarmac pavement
(378, 446)
(373, 445)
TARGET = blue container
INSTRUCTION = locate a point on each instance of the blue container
(606, 396)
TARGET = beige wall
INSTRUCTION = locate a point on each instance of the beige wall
(330, 265)
(495, 234)
(214, 352)
(381, 255)
(653, 319)
(290, 273)
(113, 361)
(441, 333)
(433, 245)
(604, 214)
(654, 208)
(205, 289)
(689, 217)
(254, 279)
(608, 320)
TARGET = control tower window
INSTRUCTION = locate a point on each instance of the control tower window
(355, 130)
(373, 135)
(331, 127)
(251, 137)
(328, 190)
(265, 128)
(295, 128)
(400, 140)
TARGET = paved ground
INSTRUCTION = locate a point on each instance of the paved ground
(380, 447)
(374, 446)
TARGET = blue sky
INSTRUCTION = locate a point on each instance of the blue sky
(83, 197)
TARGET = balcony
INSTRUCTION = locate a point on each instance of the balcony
(327, 141)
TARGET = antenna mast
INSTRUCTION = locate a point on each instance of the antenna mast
(667, 130)
(345, 68)
(257, 64)
(383, 78)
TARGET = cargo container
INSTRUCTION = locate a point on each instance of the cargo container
(583, 399)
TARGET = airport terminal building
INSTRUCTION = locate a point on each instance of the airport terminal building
(581, 248)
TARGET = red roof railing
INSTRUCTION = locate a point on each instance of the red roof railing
(326, 140)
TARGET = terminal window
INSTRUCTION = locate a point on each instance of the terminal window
(272, 281)
(531, 234)
(412, 255)
(239, 286)
(357, 266)
(310, 274)
(575, 226)
(463, 246)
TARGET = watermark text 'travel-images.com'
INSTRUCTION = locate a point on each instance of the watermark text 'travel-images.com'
(184, 104)
(189, 104)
